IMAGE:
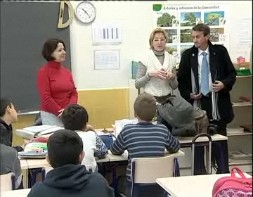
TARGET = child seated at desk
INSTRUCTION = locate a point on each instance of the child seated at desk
(144, 139)
(9, 162)
(69, 178)
(8, 115)
(75, 117)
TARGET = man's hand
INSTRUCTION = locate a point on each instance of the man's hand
(217, 86)
(195, 96)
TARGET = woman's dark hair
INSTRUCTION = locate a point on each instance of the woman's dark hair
(49, 47)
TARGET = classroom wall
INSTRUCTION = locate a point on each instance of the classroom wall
(106, 93)
(136, 21)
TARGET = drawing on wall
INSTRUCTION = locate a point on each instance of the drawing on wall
(178, 20)
(172, 49)
(186, 35)
(184, 47)
(167, 20)
(213, 18)
(190, 18)
(172, 34)
(216, 34)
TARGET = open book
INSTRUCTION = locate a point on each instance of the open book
(42, 129)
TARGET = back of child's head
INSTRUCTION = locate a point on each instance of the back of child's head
(145, 107)
(75, 117)
(4, 103)
(64, 147)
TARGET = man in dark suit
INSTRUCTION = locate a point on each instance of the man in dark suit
(210, 90)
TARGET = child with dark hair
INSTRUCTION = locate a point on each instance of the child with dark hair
(9, 161)
(75, 117)
(144, 139)
(8, 115)
(69, 178)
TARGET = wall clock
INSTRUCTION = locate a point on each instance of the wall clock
(85, 12)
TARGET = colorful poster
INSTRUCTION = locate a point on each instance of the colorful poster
(178, 20)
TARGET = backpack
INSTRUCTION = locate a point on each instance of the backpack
(184, 119)
(233, 186)
(201, 121)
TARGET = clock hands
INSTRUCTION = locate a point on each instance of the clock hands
(86, 12)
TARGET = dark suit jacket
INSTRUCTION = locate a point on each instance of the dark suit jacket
(221, 69)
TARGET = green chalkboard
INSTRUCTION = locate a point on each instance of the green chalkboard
(24, 28)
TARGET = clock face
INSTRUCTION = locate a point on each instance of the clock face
(85, 12)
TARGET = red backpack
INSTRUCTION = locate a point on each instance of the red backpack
(233, 186)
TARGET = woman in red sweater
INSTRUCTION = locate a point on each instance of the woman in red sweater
(55, 83)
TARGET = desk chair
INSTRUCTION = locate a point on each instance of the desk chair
(37, 120)
(7, 182)
(146, 170)
(44, 172)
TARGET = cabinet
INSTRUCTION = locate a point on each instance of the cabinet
(239, 140)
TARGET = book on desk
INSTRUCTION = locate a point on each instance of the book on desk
(36, 131)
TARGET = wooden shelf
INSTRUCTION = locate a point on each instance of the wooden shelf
(242, 104)
(239, 139)
(230, 134)
(243, 76)
(240, 162)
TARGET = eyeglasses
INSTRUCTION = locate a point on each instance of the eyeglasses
(159, 40)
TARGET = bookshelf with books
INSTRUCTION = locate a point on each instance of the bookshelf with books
(240, 129)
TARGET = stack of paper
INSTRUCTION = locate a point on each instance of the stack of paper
(119, 124)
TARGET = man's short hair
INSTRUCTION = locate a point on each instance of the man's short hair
(203, 28)
(145, 107)
(4, 103)
(64, 147)
(74, 117)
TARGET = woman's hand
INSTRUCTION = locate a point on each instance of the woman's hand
(60, 113)
(162, 74)
(170, 75)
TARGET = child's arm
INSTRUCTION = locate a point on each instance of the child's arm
(172, 144)
(118, 146)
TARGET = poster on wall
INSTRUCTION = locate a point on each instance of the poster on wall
(178, 20)
(106, 59)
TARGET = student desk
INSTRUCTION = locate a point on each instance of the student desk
(26, 134)
(197, 186)
(187, 141)
(23, 164)
(31, 167)
(24, 168)
(15, 193)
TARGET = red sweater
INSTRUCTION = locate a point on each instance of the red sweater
(56, 87)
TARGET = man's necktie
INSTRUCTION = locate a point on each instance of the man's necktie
(204, 75)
